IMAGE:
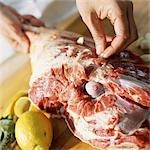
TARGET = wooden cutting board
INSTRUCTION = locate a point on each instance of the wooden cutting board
(63, 139)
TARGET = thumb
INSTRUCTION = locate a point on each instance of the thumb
(96, 28)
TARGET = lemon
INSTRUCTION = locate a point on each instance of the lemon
(33, 107)
(21, 106)
(10, 109)
(33, 131)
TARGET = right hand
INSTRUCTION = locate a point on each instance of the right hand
(120, 14)
(11, 26)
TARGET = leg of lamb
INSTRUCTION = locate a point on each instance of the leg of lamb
(105, 102)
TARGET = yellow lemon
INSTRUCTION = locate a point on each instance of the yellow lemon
(33, 131)
(33, 107)
(10, 109)
(21, 106)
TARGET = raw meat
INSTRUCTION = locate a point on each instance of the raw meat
(104, 102)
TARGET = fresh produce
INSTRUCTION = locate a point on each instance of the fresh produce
(144, 41)
(146, 57)
(7, 132)
(28, 124)
(33, 108)
(10, 109)
(33, 131)
(21, 106)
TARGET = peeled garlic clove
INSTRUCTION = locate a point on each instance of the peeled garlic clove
(147, 36)
(146, 57)
(138, 42)
(94, 89)
(80, 40)
(145, 44)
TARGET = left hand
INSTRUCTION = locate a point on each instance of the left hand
(11, 26)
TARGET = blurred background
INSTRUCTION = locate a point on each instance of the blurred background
(15, 68)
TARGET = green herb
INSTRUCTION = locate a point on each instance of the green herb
(7, 132)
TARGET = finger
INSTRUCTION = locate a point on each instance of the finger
(95, 26)
(21, 47)
(22, 44)
(18, 39)
(109, 38)
(29, 19)
(8, 8)
(122, 34)
(132, 25)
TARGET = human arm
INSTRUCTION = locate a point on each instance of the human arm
(11, 26)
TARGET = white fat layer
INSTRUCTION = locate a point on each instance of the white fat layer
(43, 56)
(102, 119)
(44, 59)
(99, 74)
(128, 82)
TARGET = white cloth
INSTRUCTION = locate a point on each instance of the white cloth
(50, 11)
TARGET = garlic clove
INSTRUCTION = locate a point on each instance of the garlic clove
(80, 40)
(146, 57)
(145, 44)
(138, 42)
(147, 36)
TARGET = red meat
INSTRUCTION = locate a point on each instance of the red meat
(104, 102)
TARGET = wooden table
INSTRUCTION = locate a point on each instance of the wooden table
(11, 83)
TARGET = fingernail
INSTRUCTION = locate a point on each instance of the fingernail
(99, 51)
(102, 54)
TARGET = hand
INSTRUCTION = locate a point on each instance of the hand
(11, 26)
(120, 14)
